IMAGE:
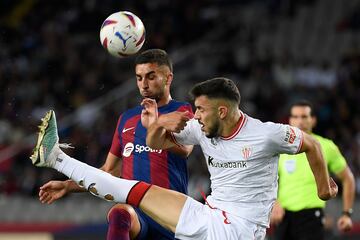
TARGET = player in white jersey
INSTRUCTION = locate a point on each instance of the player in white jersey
(243, 165)
(241, 152)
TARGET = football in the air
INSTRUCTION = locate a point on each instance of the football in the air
(122, 34)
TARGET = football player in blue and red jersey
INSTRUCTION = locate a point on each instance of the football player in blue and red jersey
(129, 152)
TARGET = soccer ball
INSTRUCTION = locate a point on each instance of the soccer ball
(122, 34)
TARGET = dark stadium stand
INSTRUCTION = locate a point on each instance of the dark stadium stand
(278, 51)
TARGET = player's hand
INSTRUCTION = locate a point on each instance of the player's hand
(52, 191)
(150, 112)
(344, 223)
(331, 192)
(174, 121)
(277, 214)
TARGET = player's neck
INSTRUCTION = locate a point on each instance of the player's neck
(165, 100)
(231, 124)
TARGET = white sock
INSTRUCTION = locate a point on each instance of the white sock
(98, 182)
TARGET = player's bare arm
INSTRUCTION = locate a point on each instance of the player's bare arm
(277, 213)
(159, 133)
(156, 137)
(159, 128)
(183, 150)
(326, 186)
(112, 165)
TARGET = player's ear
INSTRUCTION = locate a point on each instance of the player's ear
(169, 78)
(313, 121)
(222, 111)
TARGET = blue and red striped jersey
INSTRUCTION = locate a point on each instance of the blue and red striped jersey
(139, 162)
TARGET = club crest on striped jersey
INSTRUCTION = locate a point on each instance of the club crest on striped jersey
(246, 152)
(129, 147)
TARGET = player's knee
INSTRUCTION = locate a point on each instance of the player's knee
(124, 217)
(121, 211)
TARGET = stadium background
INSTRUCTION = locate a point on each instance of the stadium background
(50, 57)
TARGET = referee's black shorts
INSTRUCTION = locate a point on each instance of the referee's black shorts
(302, 225)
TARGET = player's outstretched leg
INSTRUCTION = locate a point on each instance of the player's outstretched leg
(47, 153)
(163, 205)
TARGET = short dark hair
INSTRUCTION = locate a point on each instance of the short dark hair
(158, 56)
(303, 103)
(219, 87)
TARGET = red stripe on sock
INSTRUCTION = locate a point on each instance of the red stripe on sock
(136, 193)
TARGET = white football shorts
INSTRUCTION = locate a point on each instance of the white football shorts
(200, 222)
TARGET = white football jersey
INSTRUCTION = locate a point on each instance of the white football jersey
(243, 167)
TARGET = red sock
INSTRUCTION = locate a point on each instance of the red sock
(119, 225)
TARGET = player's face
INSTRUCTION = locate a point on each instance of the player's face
(301, 117)
(206, 114)
(152, 80)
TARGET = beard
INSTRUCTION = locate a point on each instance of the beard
(157, 96)
(214, 130)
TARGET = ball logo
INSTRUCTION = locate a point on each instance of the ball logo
(122, 34)
(129, 147)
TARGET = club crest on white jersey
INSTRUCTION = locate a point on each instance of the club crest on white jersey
(246, 152)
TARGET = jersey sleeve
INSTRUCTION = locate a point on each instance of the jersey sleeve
(116, 148)
(334, 158)
(284, 138)
(190, 135)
